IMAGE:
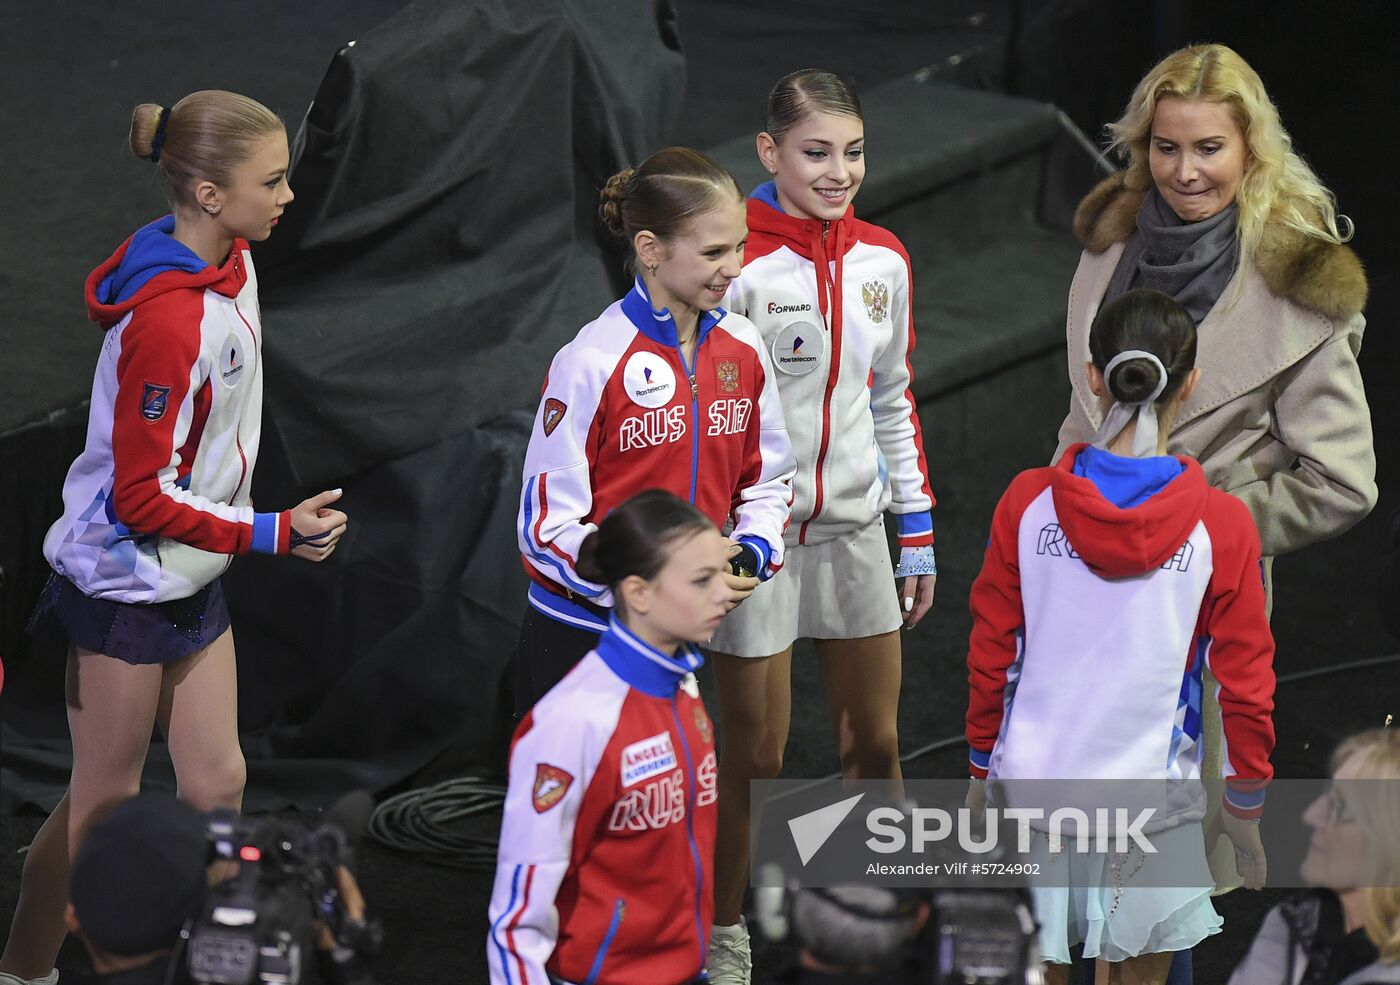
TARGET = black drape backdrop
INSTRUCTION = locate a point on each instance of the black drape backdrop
(442, 246)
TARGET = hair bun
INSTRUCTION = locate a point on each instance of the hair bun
(612, 196)
(145, 118)
(1133, 381)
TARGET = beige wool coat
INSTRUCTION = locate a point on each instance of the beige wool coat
(1279, 418)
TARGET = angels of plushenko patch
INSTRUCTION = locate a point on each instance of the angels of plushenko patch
(551, 783)
(553, 414)
(154, 400)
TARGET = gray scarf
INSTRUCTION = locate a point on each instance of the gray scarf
(1191, 261)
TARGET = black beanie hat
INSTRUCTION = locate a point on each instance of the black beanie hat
(140, 874)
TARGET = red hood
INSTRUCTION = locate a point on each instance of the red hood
(1118, 543)
(151, 248)
(802, 236)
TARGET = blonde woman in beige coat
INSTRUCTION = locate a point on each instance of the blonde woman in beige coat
(1280, 417)
(1217, 210)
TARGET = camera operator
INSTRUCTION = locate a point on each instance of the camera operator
(141, 872)
(855, 935)
(145, 875)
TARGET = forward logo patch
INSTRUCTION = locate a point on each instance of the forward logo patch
(553, 414)
(551, 783)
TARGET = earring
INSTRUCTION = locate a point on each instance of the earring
(652, 268)
(772, 170)
(212, 213)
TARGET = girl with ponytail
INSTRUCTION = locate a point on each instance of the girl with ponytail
(603, 871)
(1110, 581)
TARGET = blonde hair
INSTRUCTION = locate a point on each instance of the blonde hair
(206, 136)
(1377, 756)
(1277, 187)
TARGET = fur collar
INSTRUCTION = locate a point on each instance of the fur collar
(1323, 277)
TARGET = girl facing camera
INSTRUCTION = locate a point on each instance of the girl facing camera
(665, 389)
(603, 871)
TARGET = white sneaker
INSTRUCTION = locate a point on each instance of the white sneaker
(8, 979)
(730, 962)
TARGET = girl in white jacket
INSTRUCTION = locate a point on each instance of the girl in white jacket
(831, 297)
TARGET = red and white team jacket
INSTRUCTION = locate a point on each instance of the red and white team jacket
(832, 301)
(623, 412)
(159, 498)
(603, 870)
(1092, 624)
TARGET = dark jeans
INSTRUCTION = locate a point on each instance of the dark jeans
(548, 650)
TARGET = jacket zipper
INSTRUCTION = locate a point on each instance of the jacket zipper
(833, 372)
(700, 889)
(619, 908)
(694, 407)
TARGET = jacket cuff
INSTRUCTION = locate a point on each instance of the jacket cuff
(1245, 798)
(978, 763)
(915, 529)
(272, 533)
(761, 549)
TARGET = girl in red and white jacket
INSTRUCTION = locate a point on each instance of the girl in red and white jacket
(1111, 581)
(664, 389)
(158, 502)
(832, 297)
(603, 869)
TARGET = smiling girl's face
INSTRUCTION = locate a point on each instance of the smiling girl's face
(819, 166)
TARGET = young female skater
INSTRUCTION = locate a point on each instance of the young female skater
(159, 500)
(603, 873)
(665, 389)
(1121, 574)
(831, 296)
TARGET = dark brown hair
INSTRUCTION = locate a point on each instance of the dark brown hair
(208, 134)
(669, 189)
(807, 91)
(1150, 321)
(636, 538)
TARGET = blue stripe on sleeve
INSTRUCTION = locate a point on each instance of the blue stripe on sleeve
(913, 524)
(265, 532)
(982, 760)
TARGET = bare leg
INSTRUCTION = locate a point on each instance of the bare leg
(862, 680)
(1057, 974)
(199, 714)
(37, 931)
(755, 709)
(111, 710)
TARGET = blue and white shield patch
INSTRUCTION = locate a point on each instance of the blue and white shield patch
(154, 400)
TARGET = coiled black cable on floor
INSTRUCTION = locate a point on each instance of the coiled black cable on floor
(428, 823)
(432, 823)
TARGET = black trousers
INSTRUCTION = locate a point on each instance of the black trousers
(548, 650)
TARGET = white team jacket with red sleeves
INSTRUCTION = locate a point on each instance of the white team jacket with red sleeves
(833, 302)
(623, 412)
(607, 840)
(1092, 624)
(158, 500)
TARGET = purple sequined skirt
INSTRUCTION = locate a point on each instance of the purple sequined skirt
(138, 633)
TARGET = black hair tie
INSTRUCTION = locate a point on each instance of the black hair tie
(158, 141)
